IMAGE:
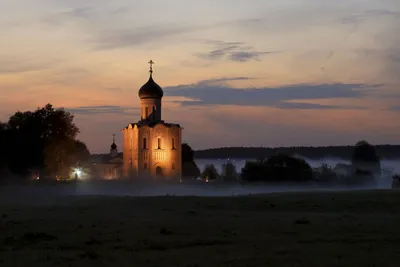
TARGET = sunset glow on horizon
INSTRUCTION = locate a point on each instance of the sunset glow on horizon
(234, 73)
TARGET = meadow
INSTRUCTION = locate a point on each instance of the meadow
(348, 228)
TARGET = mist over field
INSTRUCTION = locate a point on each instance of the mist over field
(36, 191)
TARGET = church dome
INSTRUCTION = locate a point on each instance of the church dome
(113, 146)
(150, 90)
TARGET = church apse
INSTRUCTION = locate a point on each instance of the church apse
(152, 147)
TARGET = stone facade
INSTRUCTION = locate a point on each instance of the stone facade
(152, 147)
(109, 167)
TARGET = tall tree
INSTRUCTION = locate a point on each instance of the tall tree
(32, 138)
(189, 166)
(229, 173)
(364, 158)
(210, 172)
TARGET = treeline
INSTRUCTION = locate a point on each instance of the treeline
(365, 169)
(342, 152)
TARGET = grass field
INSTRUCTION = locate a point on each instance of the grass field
(360, 228)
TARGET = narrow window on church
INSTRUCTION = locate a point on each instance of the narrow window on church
(154, 112)
(173, 166)
(159, 143)
(144, 143)
(173, 143)
(145, 166)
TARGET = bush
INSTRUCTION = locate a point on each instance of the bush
(210, 172)
(278, 168)
(254, 171)
(361, 178)
(396, 180)
(364, 158)
(287, 168)
(325, 175)
(229, 173)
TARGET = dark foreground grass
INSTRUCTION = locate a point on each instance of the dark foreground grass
(305, 229)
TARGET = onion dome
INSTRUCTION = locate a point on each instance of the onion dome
(151, 89)
(113, 146)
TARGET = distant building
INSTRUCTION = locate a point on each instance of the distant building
(151, 146)
(109, 167)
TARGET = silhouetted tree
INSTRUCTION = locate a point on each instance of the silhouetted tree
(187, 153)
(278, 168)
(210, 172)
(29, 138)
(254, 171)
(81, 154)
(287, 168)
(229, 173)
(396, 181)
(364, 158)
(62, 155)
(189, 166)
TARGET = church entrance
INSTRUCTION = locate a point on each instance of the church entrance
(159, 171)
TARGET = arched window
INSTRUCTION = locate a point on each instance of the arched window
(173, 143)
(145, 166)
(159, 143)
(173, 166)
(154, 113)
(144, 143)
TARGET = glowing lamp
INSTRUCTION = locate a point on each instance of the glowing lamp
(78, 172)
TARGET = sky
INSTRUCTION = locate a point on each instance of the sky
(234, 72)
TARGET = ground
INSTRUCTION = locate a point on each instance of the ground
(359, 228)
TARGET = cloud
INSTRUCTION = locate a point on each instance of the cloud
(209, 93)
(19, 65)
(90, 14)
(242, 56)
(94, 110)
(222, 80)
(368, 14)
(134, 37)
(234, 51)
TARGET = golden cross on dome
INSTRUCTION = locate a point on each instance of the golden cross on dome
(151, 62)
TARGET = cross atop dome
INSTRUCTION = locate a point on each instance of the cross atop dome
(151, 62)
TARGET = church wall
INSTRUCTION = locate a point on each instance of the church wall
(126, 152)
(142, 159)
(144, 148)
(130, 151)
(168, 156)
(135, 151)
(160, 149)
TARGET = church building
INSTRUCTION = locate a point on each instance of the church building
(151, 146)
(108, 167)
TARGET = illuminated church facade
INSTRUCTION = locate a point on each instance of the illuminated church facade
(151, 146)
